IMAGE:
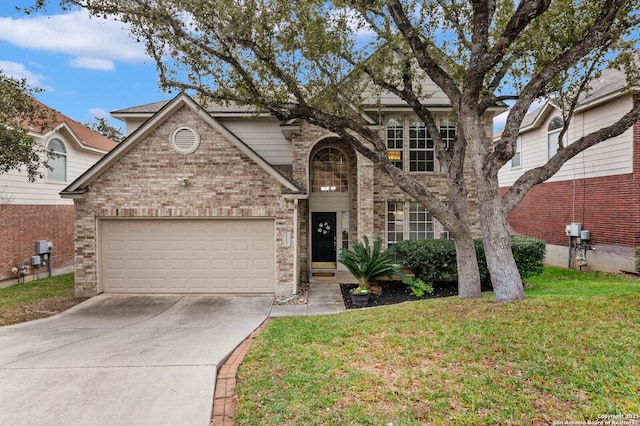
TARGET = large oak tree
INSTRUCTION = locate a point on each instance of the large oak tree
(307, 59)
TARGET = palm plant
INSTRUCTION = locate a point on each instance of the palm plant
(366, 263)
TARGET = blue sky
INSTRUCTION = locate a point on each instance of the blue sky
(87, 67)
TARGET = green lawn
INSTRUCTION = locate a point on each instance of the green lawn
(569, 352)
(36, 299)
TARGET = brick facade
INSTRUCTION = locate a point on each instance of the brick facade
(369, 189)
(22, 225)
(223, 182)
(606, 206)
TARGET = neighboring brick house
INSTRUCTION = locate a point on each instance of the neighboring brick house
(34, 211)
(599, 188)
(230, 201)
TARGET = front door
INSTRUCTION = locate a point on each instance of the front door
(323, 240)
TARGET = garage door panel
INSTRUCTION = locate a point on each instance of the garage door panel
(188, 256)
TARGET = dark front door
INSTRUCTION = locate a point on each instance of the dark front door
(323, 237)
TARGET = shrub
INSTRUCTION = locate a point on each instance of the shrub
(429, 260)
(529, 255)
(435, 260)
(417, 287)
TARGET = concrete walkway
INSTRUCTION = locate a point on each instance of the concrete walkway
(325, 297)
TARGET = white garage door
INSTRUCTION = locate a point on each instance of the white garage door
(187, 256)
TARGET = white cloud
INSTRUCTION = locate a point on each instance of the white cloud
(76, 34)
(18, 71)
(99, 112)
(93, 64)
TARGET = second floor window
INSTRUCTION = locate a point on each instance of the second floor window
(329, 171)
(57, 161)
(409, 138)
(422, 154)
(553, 142)
(395, 141)
(515, 160)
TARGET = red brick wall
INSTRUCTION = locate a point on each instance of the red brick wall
(22, 225)
(609, 207)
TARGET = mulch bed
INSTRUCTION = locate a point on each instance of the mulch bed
(397, 292)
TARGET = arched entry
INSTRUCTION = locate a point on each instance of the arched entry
(329, 206)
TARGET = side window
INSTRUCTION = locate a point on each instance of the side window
(515, 161)
(57, 161)
(395, 222)
(555, 127)
(395, 141)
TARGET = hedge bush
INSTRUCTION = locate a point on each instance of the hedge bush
(435, 260)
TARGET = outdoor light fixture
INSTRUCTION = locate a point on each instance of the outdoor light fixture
(183, 181)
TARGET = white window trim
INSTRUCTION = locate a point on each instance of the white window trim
(406, 145)
(59, 156)
(517, 154)
(438, 229)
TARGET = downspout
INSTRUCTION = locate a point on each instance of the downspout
(295, 246)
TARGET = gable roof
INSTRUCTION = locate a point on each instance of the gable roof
(611, 84)
(83, 135)
(79, 186)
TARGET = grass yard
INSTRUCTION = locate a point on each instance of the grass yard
(569, 352)
(37, 299)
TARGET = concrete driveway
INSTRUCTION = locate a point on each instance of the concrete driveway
(123, 360)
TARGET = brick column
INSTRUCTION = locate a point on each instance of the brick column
(365, 198)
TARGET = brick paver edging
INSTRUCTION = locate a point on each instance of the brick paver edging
(224, 403)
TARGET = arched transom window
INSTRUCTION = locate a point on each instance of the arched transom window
(329, 171)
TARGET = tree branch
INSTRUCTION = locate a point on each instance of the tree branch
(598, 35)
(518, 190)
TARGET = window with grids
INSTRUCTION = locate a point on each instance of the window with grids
(448, 128)
(329, 171)
(395, 140)
(421, 223)
(57, 161)
(421, 150)
(395, 222)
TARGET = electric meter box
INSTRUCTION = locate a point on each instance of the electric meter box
(575, 229)
(43, 247)
(35, 260)
(585, 235)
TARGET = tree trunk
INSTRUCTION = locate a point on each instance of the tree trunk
(505, 277)
(467, 262)
(503, 271)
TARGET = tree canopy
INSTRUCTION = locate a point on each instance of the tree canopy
(320, 60)
(19, 114)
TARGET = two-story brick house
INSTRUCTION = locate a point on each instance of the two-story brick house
(226, 200)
